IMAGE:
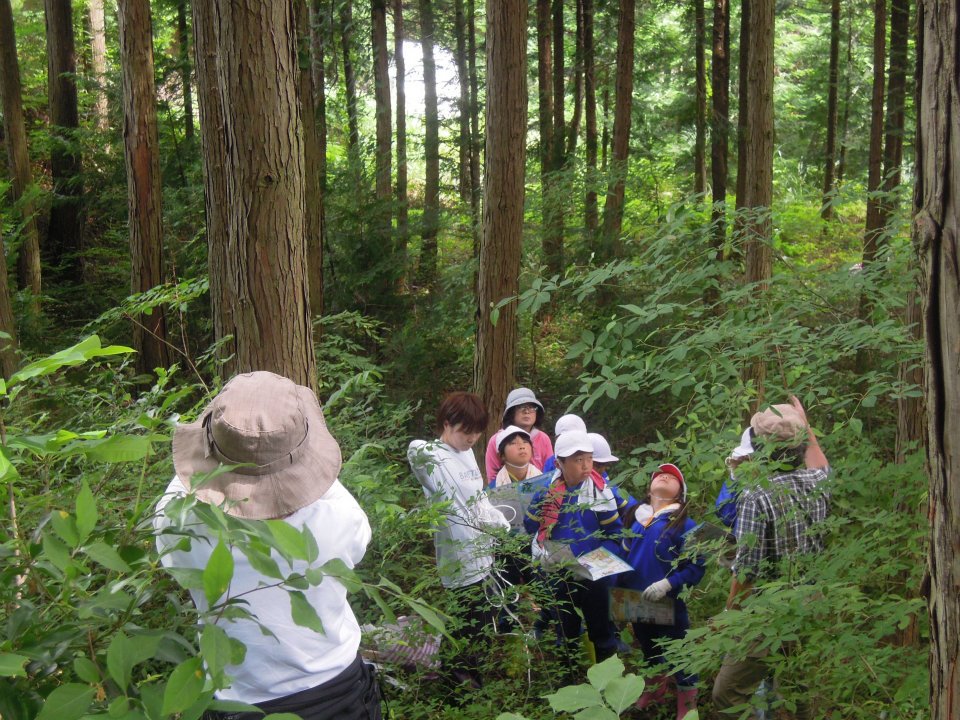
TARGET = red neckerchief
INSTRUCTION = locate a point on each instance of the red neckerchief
(550, 511)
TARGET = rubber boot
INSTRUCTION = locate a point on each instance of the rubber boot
(653, 692)
(686, 701)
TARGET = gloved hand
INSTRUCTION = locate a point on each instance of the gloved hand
(656, 591)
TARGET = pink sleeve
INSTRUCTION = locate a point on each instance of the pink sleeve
(492, 459)
(542, 448)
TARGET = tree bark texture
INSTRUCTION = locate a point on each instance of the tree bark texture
(313, 194)
(503, 200)
(843, 132)
(463, 103)
(319, 31)
(475, 141)
(590, 216)
(261, 285)
(98, 61)
(719, 128)
(758, 165)
(936, 236)
(403, 232)
(349, 76)
(14, 131)
(430, 223)
(830, 155)
(896, 99)
(65, 234)
(545, 119)
(700, 143)
(183, 44)
(743, 109)
(144, 183)
(613, 207)
(381, 77)
(874, 225)
(553, 211)
(573, 127)
(8, 348)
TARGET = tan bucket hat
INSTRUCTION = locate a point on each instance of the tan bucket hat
(275, 430)
(782, 422)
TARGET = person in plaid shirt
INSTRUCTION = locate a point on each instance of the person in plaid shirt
(777, 522)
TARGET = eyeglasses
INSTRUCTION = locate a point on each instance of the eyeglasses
(529, 407)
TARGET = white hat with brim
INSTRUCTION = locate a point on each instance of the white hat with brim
(274, 430)
(572, 442)
(510, 430)
(569, 423)
(601, 449)
(745, 447)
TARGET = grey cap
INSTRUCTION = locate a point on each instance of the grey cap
(520, 396)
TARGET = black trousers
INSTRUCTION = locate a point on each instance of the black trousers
(353, 695)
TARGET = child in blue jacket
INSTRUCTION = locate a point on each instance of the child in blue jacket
(654, 549)
(579, 510)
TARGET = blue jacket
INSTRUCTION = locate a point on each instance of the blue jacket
(582, 527)
(726, 504)
(653, 554)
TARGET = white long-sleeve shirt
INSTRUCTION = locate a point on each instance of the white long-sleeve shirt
(464, 546)
(296, 658)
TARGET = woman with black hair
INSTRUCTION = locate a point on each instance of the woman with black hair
(526, 412)
(654, 549)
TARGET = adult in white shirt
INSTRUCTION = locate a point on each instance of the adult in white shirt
(275, 432)
(448, 472)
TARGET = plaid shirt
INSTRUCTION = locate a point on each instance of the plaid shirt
(779, 519)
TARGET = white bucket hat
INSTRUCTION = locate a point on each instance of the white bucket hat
(274, 429)
(568, 423)
(522, 396)
(572, 442)
(601, 449)
(507, 432)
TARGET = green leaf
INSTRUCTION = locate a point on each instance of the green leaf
(510, 716)
(86, 670)
(622, 692)
(218, 573)
(338, 568)
(7, 470)
(494, 316)
(120, 449)
(601, 674)
(119, 660)
(856, 425)
(105, 555)
(184, 686)
(78, 354)
(216, 650)
(374, 594)
(86, 507)
(11, 665)
(304, 614)
(65, 526)
(428, 614)
(67, 702)
(692, 715)
(56, 551)
(573, 698)
(262, 563)
(597, 712)
(290, 542)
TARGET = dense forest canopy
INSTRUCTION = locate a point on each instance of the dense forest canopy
(660, 216)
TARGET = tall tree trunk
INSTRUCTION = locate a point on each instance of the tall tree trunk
(613, 207)
(826, 210)
(98, 61)
(545, 116)
(573, 129)
(403, 232)
(320, 23)
(503, 195)
(214, 153)
(313, 195)
(743, 109)
(936, 235)
(758, 165)
(590, 217)
(605, 135)
(719, 130)
(183, 44)
(553, 210)
(349, 77)
(874, 224)
(847, 97)
(700, 144)
(381, 63)
(8, 346)
(475, 144)
(463, 103)
(261, 285)
(65, 234)
(144, 183)
(431, 149)
(14, 131)
(896, 97)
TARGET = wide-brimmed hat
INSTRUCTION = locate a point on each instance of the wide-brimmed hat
(522, 396)
(568, 423)
(671, 469)
(572, 442)
(781, 422)
(507, 433)
(601, 449)
(274, 429)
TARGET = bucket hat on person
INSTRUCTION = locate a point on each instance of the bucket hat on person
(274, 429)
(601, 449)
(568, 423)
(780, 422)
(508, 432)
(522, 396)
(671, 469)
(572, 442)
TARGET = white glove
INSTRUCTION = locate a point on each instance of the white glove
(656, 591)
